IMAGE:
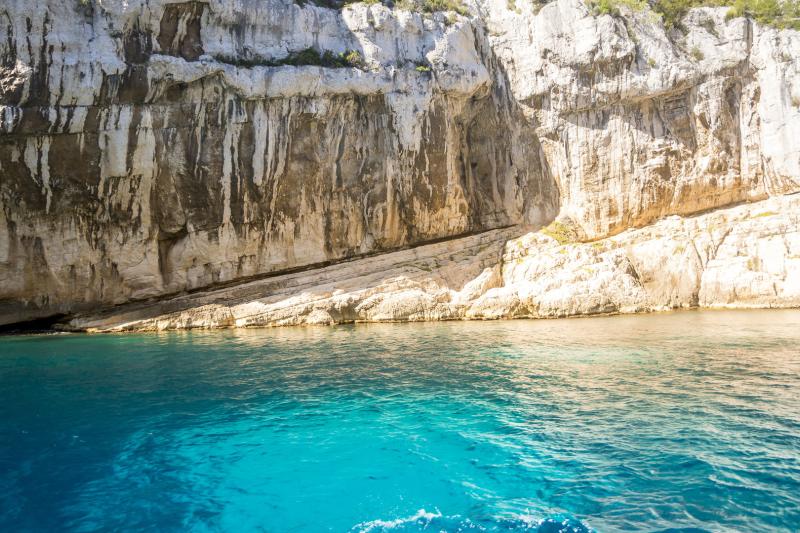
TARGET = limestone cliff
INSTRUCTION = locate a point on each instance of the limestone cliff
(152, 148)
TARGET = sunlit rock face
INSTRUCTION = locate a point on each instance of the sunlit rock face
(149, 148)
(637, 123)
(747, 256)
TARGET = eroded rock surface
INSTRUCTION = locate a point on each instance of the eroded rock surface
(741, 257)
(149, 148)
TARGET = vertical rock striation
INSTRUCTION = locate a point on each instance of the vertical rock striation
(637, 123)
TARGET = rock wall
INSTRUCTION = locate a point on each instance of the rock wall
(149, 148)
(746, 256)
(637, 123)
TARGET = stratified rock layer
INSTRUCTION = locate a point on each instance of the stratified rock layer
(742, 257)
(149, 148)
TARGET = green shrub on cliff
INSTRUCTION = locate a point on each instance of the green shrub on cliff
(673, 11)
(781, 14)
(432, 6)
(776, 13)
(611, 7)
(562, 232)
(539, 4)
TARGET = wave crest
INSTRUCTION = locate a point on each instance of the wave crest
(420, 518)
(423, 520)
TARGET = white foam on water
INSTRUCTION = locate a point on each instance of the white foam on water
(383, 525)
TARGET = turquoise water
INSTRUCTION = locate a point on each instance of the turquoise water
(675, 422)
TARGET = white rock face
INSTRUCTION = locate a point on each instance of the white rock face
(636, 124)
(741, 257)
(153, 147)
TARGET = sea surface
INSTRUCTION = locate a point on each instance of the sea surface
(670, 422)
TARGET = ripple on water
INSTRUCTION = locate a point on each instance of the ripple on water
(678, 422)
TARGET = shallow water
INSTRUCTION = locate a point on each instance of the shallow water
(646, 423)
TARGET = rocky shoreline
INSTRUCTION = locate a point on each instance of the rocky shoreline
(746, 256)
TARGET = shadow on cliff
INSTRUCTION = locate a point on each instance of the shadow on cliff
(201, 142)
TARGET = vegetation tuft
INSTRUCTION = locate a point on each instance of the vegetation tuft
(421, 66)
(433, 6)
(777, 13)
(539, 4)
(561, 232)
(612, 7)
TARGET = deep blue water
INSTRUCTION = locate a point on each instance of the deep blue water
(674, 422)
